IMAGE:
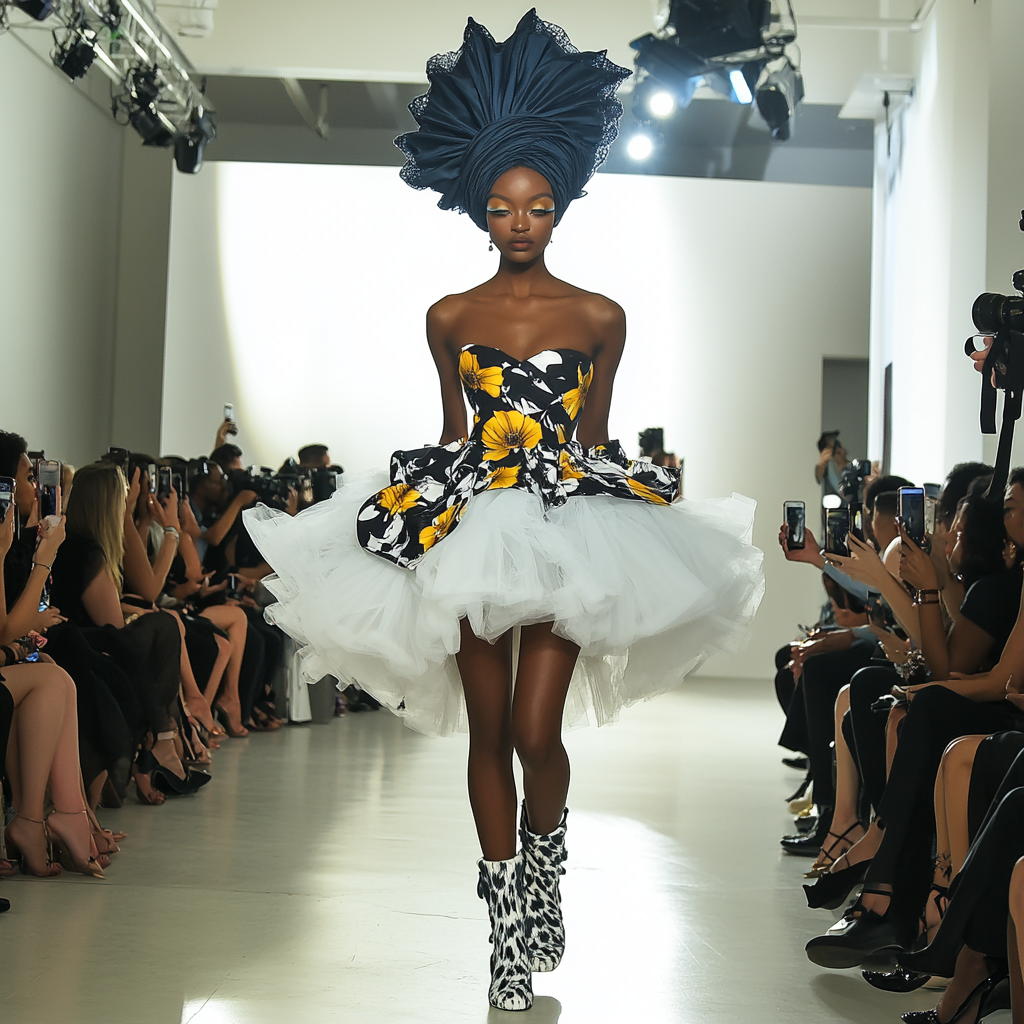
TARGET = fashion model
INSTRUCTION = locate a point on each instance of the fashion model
(527, 527)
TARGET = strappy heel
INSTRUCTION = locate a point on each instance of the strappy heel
(980, 993)
(91, 867)
(832, 889)
(856, 936)
(18, 854)
(820, 869)
(222, 716)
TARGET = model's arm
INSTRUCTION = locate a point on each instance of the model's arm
(609, 326)
(440, 322)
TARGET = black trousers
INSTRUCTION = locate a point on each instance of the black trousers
(996, 764)
(906, 811)
(811, 717)
(864, 729)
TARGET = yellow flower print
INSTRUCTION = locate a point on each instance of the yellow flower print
(574, 400)
(643, 491)
(568, 467)
(505, 431)
(439, 529)
(397, 499)
(503, 476)
(560, 433)
(480, 378)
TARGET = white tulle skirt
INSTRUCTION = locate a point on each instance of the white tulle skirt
(648, 592)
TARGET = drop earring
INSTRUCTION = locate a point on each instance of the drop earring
(490, 246)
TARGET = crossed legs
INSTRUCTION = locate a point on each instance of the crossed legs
(530, 722)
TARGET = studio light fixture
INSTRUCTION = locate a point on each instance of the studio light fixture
(737, 48)
(640, 146)
(156, 89)
(662, 104)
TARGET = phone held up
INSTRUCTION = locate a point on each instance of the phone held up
(794, 515)
(837, 532)
(8, 485)
(163, 490)
(911, 509)
(229, 416)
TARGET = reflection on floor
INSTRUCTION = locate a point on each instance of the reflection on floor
(327, 874)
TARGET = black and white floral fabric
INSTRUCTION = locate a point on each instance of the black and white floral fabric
(525, 414)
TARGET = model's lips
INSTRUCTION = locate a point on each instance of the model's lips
(521, 243)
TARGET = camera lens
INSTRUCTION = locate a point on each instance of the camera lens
(993, 312)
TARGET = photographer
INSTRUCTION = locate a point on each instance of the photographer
(832, 461)
(216, 512)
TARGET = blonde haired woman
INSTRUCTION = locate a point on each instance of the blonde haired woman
(87, 579)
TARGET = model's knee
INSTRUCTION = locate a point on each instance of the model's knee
(537, 750)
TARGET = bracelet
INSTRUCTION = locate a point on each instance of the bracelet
(171, 529)
(48, 568)
(926, 597)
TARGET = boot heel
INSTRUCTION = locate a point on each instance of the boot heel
(543, 857)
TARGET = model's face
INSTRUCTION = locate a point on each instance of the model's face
(521, 214)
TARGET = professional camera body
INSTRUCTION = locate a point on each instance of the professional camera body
(311, 485)
(851, 483)
(1001, 316)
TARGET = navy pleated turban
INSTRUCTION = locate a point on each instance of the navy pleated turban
(532, 101)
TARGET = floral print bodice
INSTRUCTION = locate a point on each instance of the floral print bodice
(525, 415)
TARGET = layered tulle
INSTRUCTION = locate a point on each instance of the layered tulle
(648, 592)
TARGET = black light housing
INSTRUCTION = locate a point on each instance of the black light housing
(779, 90)
(142, 112)
(38, 9)
(75, 53)
(717, 28)
(189, 146)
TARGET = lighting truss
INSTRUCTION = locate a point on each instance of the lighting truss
(130, 44)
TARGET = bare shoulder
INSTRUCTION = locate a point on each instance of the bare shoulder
(444, 314)
(606, 318)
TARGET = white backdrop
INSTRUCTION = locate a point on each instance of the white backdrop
(299, 293)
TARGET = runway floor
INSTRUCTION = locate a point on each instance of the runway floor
(328, 874)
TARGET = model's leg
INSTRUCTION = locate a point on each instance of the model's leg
(546, 664)
(486, 671)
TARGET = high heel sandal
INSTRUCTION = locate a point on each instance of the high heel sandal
(18, 854)
(66, 857)
(820, 869)
(980, 992)
(832, 889)
(165, 780)
(222, 717)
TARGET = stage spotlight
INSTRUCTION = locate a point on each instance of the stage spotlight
(779, 89)
(143, 115)
(38, 9)
(188, 148)
(740, 89)
(661, 104)
(640, 146)
(75, 53)
(719, 28)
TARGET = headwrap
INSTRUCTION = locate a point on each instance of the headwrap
(532, 101)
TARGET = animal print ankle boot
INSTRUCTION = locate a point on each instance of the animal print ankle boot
(543, 856)
(501, 885)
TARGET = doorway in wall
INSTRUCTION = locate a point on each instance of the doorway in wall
(844, 402)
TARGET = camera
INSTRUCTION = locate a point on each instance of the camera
(270, 489)
(851, 483)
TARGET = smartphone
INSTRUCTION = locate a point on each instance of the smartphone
(911, 506)
(151, 471)
(837, 532)
(930, 506)
(8, 486)
(48, 482)
(120, 457)
(229, 414)
(178, 483)
(794, 515)
(857, 520)
(932, 490)
(164, 486)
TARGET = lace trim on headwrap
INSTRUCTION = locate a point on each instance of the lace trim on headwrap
(534, 100)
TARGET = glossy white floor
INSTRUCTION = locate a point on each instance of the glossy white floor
(327, 874)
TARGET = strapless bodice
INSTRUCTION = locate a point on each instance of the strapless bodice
(525, 414)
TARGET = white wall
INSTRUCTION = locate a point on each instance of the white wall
(947, 198)
(60, 175)
(298, 292)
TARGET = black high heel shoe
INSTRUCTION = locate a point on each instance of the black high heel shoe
(165, 780)
(932, 1016)
(832, 890)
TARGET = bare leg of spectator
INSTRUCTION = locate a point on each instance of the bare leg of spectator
(232, 620)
